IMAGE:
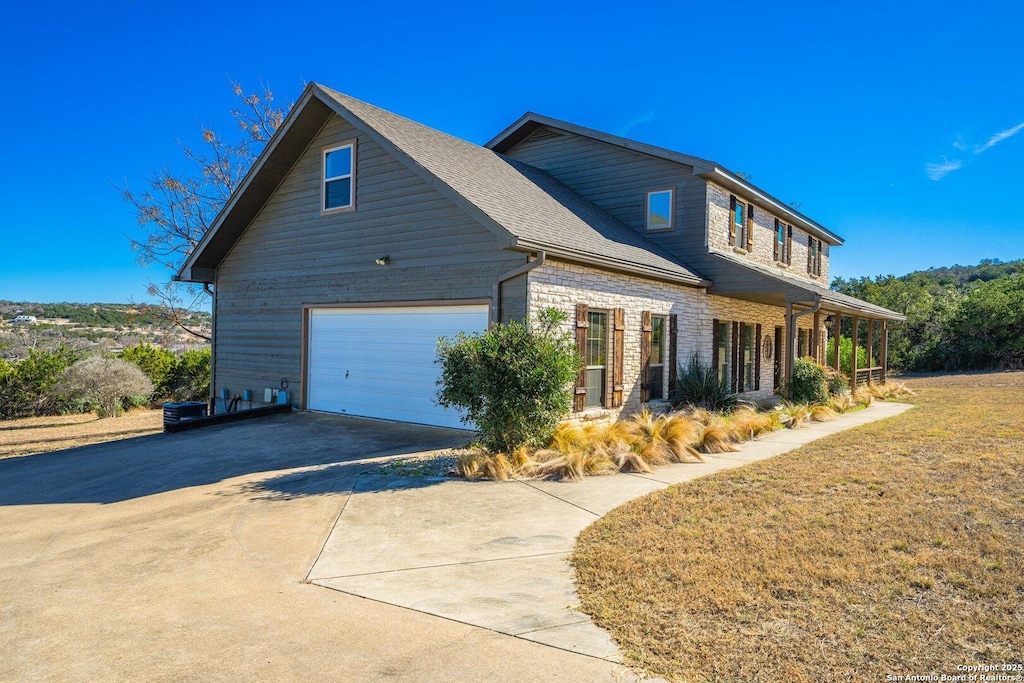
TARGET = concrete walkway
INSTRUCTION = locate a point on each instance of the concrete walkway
(493, 554)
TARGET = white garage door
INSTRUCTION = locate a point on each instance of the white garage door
(379, 362)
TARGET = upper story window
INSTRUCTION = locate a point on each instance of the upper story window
(783, 242)
(660, 209)
(338, 187)
(739, 223)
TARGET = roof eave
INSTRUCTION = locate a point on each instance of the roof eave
(618, 265)
(733, 182)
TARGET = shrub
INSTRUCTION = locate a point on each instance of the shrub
(159, 365)
(807, 384)
(29, 386)
(107, 382)
(837, 383)
(698, 386)
(190, 380)
(513, 381)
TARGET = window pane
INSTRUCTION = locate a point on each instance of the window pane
(659, 210)
(737, 214)
(338, 193)
(657, 383)
(595, 387)
(657, 339)
(597, 338)
(338, 162)
(723, 352)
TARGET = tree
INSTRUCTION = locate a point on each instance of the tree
(513, 381)
(106, 382)
(159, 365)
(176, 210)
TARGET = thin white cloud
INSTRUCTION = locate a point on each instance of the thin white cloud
(999, 137)
(940, 171)
(960, 143)
(633, 123)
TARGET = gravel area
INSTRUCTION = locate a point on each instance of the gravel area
(438, 464)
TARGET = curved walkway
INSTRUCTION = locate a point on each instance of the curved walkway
(493, 554)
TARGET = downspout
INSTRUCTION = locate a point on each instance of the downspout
(496, 295)
(791, 317)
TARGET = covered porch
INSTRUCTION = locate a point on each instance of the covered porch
(835, 315)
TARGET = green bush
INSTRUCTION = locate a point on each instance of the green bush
(513, 381)
(846, 354)
(698, 385)
(190, 380)
(29, 386)
(836, 383)
(808, 384)
(159, 365)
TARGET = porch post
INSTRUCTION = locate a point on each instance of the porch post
(836, 328)
(885, 353)
(870, 345)
(853, 361)
(790, 344)
(815, 334)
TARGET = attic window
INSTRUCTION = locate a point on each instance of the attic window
(660, 205)
(338, 188)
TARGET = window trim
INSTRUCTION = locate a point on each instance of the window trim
(671, 214)
(352, 144)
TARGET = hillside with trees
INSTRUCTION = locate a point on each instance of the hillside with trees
(98, 327)
(958, 317)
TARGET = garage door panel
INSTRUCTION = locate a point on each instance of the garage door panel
(380, 362)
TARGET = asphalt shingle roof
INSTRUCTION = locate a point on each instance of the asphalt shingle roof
(530, 205)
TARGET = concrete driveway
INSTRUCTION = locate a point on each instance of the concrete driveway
(184, 557)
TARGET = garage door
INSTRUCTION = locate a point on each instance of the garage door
(379, 362)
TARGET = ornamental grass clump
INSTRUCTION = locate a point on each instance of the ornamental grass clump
(748, 422)
(699, 386)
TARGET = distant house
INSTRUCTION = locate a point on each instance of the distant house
(359, 237)
(22, 319)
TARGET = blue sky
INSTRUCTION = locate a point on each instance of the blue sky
(897, 125)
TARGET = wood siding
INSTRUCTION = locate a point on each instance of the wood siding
(618, 179)
(292, 255)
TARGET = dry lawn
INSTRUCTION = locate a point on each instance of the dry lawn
(41, 434)
(896, 548)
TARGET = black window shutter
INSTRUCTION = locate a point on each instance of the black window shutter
(810, 254)
(750, 227)
(737, 366)
(775, 239)
(789, 245)
(818, 265)
(732, 220)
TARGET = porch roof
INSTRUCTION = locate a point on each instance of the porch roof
(741, 279)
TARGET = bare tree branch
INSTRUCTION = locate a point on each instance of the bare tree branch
(174, 211)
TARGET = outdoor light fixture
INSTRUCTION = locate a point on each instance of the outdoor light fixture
(384, 260)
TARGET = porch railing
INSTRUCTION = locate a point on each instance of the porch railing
(869, 375)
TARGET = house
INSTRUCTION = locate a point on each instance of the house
(359, 237)
(22, 320)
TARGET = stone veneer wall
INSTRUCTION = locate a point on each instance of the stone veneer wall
(563, 285)
(764, 238)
